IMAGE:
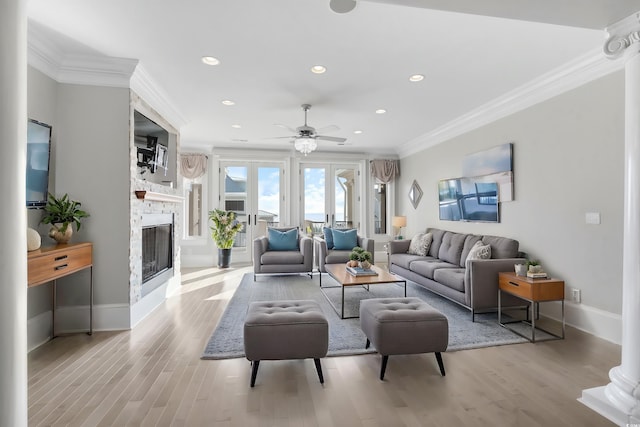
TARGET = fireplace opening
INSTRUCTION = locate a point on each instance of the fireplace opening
(157, 253)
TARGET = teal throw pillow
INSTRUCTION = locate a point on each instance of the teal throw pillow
(328, 236)
(345, 240)
(283, 240)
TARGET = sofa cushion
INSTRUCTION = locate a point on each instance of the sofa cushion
(427, 268)
(451, 277)
(479, 251)
(502, 247)
(280, 240)
(336, 256)
(281, 257)
(328, 236)
(468, 244)
(451, 247)
(404, 260)
(436, 241)
(420, 244)
(345, 239)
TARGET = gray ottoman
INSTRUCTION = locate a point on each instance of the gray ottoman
(279, 330)
(404, 326)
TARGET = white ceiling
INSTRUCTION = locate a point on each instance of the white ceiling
(267, 48)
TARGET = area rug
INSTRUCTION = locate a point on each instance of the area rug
(345, 335)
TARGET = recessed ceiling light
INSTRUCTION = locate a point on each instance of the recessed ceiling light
(228, 102)
(416, 78)
(381, 111)
(236, 126)
(318, 69)
(357, 132)
(210, 60)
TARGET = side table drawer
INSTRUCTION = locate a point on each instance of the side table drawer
(516, 287)
(51, 266)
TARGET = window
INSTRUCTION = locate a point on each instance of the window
(193, 207)
(379, 207)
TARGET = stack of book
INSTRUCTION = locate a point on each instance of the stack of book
(541, 275)
(359, 271)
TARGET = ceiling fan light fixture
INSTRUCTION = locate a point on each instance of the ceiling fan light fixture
(305, 145)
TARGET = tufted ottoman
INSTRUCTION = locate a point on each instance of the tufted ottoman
(279, 330)
(404, 326)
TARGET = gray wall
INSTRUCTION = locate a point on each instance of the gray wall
(568, 160)
(89, 161)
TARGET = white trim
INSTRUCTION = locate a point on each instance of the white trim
(106, 317)
(154, 299)
(146, 88)
(578, 72)
(38, 330)
(600, 323)
(596, 399)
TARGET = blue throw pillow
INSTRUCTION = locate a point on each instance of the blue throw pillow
(328, 237)
(283, 240)
(345, 240)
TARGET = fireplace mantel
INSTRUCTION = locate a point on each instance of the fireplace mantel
(158, 197)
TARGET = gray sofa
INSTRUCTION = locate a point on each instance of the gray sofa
(447, 272)
(266, 261)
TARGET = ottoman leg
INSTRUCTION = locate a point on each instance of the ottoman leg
(440, 363)
(319, 369)
(254, 372)
(383, 367)
(367, 344)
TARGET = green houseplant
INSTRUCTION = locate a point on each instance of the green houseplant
(361, 256)
(61, 213)
(223, 231)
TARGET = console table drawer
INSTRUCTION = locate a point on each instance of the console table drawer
(531, 289)
(49, 264)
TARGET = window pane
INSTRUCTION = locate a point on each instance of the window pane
(269, 195)
(344, 198)
(380, 208)
(314, 198)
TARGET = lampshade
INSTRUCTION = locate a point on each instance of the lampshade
(305, 145)
(399, 221)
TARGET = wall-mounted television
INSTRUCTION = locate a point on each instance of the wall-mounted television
(38, 154)
(468, 199)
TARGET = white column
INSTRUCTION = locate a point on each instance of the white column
(619, 400)
(13, 245)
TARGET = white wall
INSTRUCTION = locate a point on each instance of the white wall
(568, 160)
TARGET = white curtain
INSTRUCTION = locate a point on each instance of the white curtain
(193, 165)
(385, 170)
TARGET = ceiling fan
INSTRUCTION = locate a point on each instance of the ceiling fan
(305, 136)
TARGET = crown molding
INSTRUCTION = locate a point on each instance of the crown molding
(146, 88)
(96, 70)
(582, 70)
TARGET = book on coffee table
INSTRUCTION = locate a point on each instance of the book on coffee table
(359, 271)
(536, 275)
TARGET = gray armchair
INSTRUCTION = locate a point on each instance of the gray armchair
(334, 256)
(270, 261)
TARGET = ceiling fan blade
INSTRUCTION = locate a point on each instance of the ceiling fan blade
(280, 137)
(290, 129)
(331, 138)
(327, 129)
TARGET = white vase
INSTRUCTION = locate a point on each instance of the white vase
(33, 239)
(521, 269)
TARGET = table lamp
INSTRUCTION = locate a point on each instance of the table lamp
(399, 222)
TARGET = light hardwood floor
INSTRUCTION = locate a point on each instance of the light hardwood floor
(153, 375)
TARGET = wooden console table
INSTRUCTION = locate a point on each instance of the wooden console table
(51, 263)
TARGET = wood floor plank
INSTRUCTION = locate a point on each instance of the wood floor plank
(153, 376)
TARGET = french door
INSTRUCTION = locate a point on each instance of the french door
(254, 191)
(330, 196)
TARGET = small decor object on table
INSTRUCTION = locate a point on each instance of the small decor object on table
(359, 271)
(61, 213)
(360, 262)
(521, 269)
(534, 270)
(224, 230)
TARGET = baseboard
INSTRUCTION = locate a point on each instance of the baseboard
(601, 323)
(106, 317)
(151, 301)
(38, 330)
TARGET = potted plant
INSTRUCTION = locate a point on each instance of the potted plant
(361, 256)
(533, 266)
(223, 231)
(61, 213)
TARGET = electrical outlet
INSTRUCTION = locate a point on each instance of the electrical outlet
(575, 295)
